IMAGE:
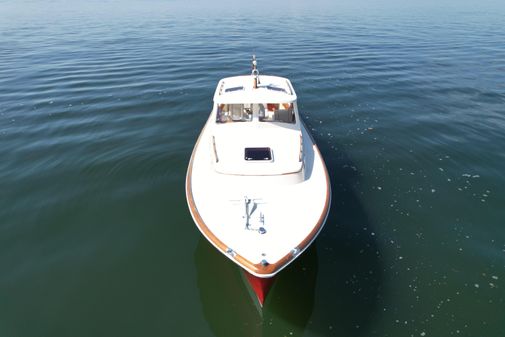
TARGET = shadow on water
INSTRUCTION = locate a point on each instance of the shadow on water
(349, 283)
(332, 289)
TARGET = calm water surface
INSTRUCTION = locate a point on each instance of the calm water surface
(101, 104)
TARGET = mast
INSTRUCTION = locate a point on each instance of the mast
(255, 72)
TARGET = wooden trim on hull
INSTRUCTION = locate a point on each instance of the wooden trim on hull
(258, 269)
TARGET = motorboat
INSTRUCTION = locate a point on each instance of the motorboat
(257, 186)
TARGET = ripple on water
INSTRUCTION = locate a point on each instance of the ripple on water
(100, 109)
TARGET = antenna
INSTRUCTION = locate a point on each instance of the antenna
(255, 72)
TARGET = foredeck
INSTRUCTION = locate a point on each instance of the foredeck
(262, 223)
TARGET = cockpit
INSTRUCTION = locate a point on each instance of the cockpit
(262, 112)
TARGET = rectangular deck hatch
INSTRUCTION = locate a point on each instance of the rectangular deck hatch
(258, 153)
(234, 89)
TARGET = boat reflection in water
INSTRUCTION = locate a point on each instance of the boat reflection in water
(226, 302)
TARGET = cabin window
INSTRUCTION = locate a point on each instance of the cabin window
(264, 112)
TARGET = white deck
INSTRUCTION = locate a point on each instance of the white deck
(290, 210)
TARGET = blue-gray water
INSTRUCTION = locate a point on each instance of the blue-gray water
(100, 105)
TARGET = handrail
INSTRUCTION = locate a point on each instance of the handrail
(215, 150)
(300, 157)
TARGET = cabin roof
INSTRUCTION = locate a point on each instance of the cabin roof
(239, 89)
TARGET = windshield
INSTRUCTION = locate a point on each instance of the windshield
(263, 112)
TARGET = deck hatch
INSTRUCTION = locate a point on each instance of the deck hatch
(271, 87)
(234, 89)
(258, 153)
